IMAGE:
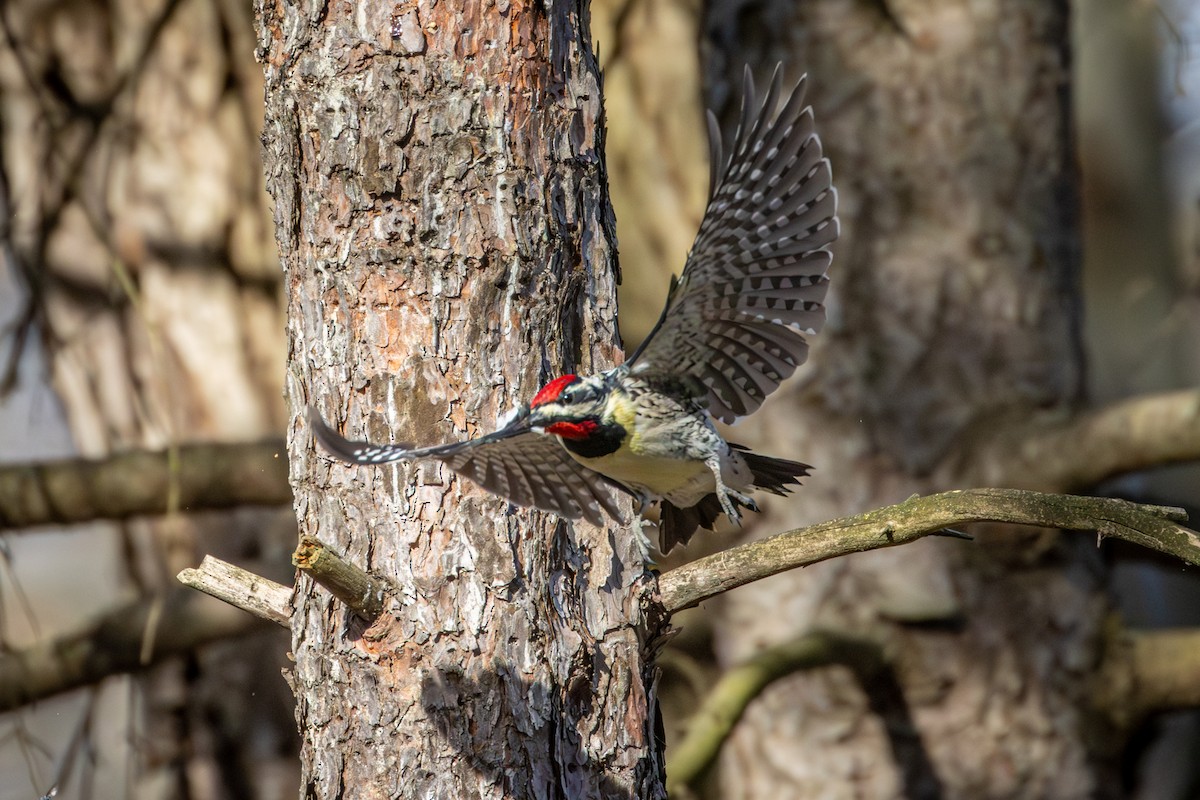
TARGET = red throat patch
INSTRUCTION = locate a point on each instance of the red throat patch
(573, 430)
(550, 392)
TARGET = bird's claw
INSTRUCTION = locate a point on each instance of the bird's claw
(728, 505)
(640, 540)
(730, 500)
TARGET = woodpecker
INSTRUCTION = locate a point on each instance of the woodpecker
(732, 330)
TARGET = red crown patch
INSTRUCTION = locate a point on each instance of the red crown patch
(550, 392)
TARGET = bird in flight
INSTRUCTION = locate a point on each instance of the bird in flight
(732, 330)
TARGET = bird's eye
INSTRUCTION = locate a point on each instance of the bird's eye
(567, 399)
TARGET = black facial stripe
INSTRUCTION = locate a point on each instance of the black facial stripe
(606, 439)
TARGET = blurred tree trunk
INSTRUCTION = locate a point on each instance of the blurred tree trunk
(954, 310)
(441, 208)
(141, 231)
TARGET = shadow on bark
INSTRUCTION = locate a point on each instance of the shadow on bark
(886, 700)
(489, 715)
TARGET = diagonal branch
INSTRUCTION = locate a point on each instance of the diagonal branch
(242, 589)
(721, 709)
(1079, 452)
(1155, 527)
(1142, 672)
(209, 476)
(365, 596)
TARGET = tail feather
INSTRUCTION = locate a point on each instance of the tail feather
(676, 525)
(776, 475)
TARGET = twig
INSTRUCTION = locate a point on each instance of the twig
(724, 705)
(363, 594)
(242, 589)
(112, 645)
(1155, 527)
(78, 743)
(131, 484)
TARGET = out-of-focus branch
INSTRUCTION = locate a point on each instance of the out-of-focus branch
(183, 621)
(242, 589)
(1143, 672)
(1075, 453)
(363, 594)
(1155, 527)
(209, 476)
(1149, 671)
(723, 707)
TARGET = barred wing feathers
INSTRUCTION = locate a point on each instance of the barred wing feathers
(524, 467)
(754, 282)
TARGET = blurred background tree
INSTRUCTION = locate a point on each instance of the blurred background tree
(1018, 202)
(143, 310)
(1007, 257)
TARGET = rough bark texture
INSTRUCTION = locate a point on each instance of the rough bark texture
(440, 206)
(954, 307)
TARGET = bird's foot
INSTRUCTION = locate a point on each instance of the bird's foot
(730, 500)
(640, 540)
(644, 503)
(747, 501)
(727, 497)
(728, 504)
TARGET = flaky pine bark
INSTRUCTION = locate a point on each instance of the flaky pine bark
(441, 211)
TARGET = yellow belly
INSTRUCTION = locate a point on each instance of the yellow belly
(658, 475)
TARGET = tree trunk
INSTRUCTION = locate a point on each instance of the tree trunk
(441, 208)
(954, 309)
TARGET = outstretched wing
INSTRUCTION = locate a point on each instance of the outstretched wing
(754, 282)
(515, 462)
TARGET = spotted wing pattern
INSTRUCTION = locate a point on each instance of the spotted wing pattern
(517, 463)
(754, 282)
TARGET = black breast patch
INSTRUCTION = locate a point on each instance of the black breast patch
(605, 440)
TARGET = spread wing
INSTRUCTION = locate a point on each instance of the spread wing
(754, 282)
(515, 462)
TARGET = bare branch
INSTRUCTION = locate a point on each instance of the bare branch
(1072, 454)
(113, 644)
(1155, 527)
(209, 476)
(363, 594)
(242, 589)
